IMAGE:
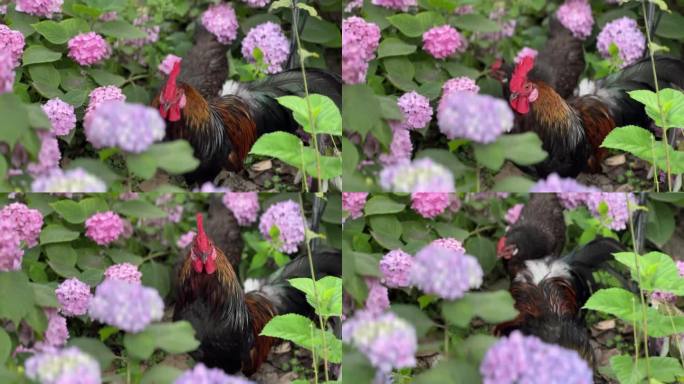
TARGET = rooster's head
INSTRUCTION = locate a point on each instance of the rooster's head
(523, 92)
(504, 250)
(203, 253)
(172, 98)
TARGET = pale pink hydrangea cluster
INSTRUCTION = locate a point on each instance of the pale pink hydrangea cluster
(461, 83)
(48, 155)
(445, 272)
(73, 180)
(353, 203)
(73, 296)
(287, 217)
(625, 34)
(556, 184)
(11, 253)
(130, 307)
(430, 204)
(422, 175)
(26, 222)
(103, 94)
(61, 116)
(270, 39)
(443, 41)
(6, 72)
(507, 26)
(186, 239)
(377, 301)
(12, 42)
(56, 334)
(395, 267)
(42, 8)
(513, 213)
(416, 110)
(256, 3)
(244, 205)
(401, 146)
(525, 52)
(200, 374)
(221, 21)
(152, 32)
(167, 64)
(88, 48)
(124, 272)
(63, 366)
(480, 118)
(449, 243)
(104, 227)
(352, 5)
(131, 127)
(360, 39)
(575, 15)
(400, 5)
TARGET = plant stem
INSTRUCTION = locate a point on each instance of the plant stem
(133, 78)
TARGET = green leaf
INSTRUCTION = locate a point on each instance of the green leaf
(62, 259)
(670, 26)
(476, 346)
(661, 223)
(95, 167)
(381, 204)
(139, 208)
(177, 337)
(523, 149)
(321, 31)
(641, 143)
(5, 346)
(45, 295)
(515, 184)
(329, 290)
(361, 111)
(139, 345)
(39, 54)
(157, 276)
(400, 72)
(120, 29)
(658, 271)
(387, 225)
(52, 31)
(94, 348)
(663, 369)
(415, 316)
(325, 114)
(672, 102)
(45, 74)
(493, 307)
(299, 330)
(457, 69)
(450, 371)
(415, 25)
(484, 250)
(355, 366)
(393, 46)
(70, 210)
(15, 119)
(161, 374)
(475, 22)
(174, 157)
(55, 233)
(104, 77)
(17, 299)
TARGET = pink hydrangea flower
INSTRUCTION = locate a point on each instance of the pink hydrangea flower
(525, 52)
(48, 156)
(124, 272)
(395, 267)
(73, 180)
(152, 32)
(73, 296)
(401, 5)
(130, 307)
(104, 227)
(416, 109)
(429, 204)
(6, 72)
(88, 48)
(103, 94)
(131, 127)
(287, 217)
(445, 272)
(377, 301)
(555, 183)
(186, 239)
(461, 83)
(352, 5)
(244, 205)
(166, 65)
(27, 222)
(61, 116)
(56, 334)
(11, 41)
(11, 253)
(109, 16)
(625, 34)
(43, 8)
(513, 213)
(360, 39)
(618, 207)
(442, 42)
(353, 203)
(271, 40)
(401, 146)
(449, 243)
(575, 15)
(221, 21)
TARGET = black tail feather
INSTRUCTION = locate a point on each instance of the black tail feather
(588, 259)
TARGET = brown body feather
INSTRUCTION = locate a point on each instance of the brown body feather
(598, 123)
(261, 311)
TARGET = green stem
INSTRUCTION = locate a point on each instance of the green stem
(134, 78)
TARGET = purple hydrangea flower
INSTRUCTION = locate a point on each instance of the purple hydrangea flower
(430, 204)
(416, 110)
(109, 16)
(256, 3)
(464, 9)
(618, 207)
(48, 156)
(43, 8)
(56, 334)
(75, 180)
(525, 52)
(130, 307)
(444, 272)
(186, 239)
(271, 40)
(575, 15)
(11, 253)
(152, 32)
(422, 175)
(360, 39)
(556, 184)
(124, 272)
(287, 217)
(513, 213)
(449, 243)
(461, 83)
(131, 127)
(625, 33)
(353, 202)
(527, 359)
(167, 64)
(401, 146)
(571, 200)
(200, 374)
(6, 72)
(221, 21)
(395, 267)
(377, 301)
(401, 5)
(352, 5)
(27, 222)
(244, 205)
(73, 296)
(63, 366)
(104, 227)
(480, 118)
(88, 48)
(102, 94)
(11, 41)
(388, 341)
(443, 41)
(61, 115)
(507, 26)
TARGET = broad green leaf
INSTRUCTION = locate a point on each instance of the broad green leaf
(5, 346)
(672, 102)
(325, 114)
(75, 97)
(45, 74)
(661, 223)
(355, 366)
(361, 112)
(658, 271)
(45, 295)
(641, 143)
(176, 337)
(174, 157)
(382, 204)
(476, 346)
(39, 54)
(70, 210)
(52, 31)
(15, 119)
(414, 315)
(393, 46)
(55, 233)
(140, 208)
(516, 184)
(484, 250)
(157, 276)
(475, 22)
(387, 225)
(48, 91)
(303, 332)
(17, 299)
(120, 29)
(450, 371)
(400, 72)
(62, 259)
(663, 369)
(329, 291)
(37, 319)
(493, 307)
(415, 25)
(321, 31)
(161, 374)
(523, 149)
(457, 69)
(95, 167)
(670, 26)
(139, 345)
(94, 348)
(104, 77)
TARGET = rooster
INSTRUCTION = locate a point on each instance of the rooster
(223, 228)
(538, 232)
(228, 321)
(572, 131)
(222, 121)
(550, 292)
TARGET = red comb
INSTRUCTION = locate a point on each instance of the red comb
(496, 65)
(520, 74)
(170, 88)
(201, 241)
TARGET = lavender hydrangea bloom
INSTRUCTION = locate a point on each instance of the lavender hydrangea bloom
(103, 94)
(244, 205)
(416, 109)
(271, 40)
(43, 8)
(444, 272)
(449, 243)
(88, 48)
(471, 265)
(27, 222)
(389, 342)
(513, 213)
(377, 301)
(401, 146)
(575, 15)
(186, 239)
(395, 267)
(430, 204)
(74, 180)
(65, 366)
(443, 41)
(125, 272)
(526, 359)
(61, 116)
(353, 202)
(131, 127)
(360, 39)
(618, 207)
(48, 156)
(571, 200)
(625, 33)
(104, 227)
(56, 334)
(130, 307)
(401, 5)
(11, 253)
(12, 42)
(200, 374)
(461, 83)
(221, 21)
(73, 296)
(422, 175)
(6, 72)
(287, 217)
(481, 118)
(556, 184)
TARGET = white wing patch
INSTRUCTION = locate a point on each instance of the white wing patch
(230, 87)
(538, 270)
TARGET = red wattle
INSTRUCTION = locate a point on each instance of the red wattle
(500, 245)
(210, 266)
(520, 104)
(197, 265)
